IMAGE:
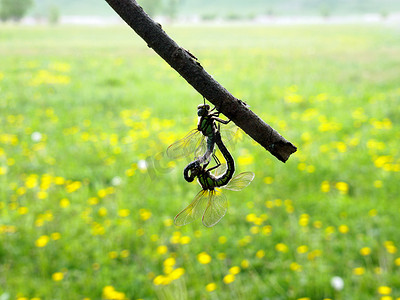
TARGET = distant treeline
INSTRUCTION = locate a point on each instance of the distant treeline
(227, 9)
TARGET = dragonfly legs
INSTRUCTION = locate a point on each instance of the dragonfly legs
(217, 165)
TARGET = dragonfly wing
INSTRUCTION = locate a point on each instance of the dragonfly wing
(194, 210)
(216, 208)
(185, 146)
(220, 170)
(230, 133)
(200, 147)
(240, 181)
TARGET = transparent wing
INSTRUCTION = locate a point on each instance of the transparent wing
(240, 181)
(186, 146)
(220, 170)
(216, 208)
(230, 135)
(194, 210)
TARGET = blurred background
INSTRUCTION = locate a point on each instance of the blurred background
(88, 196)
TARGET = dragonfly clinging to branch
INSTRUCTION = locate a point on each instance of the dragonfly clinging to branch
(211, 203)
(194, 141)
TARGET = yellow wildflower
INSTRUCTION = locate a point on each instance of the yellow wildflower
(343, 229)
(365, 251)
(343, 187)
(162, 249)
(58, 276)
(234, 270)
(228, 278)
(204, 258)
(42, 241)
(260, 253)
(384, 290)
(211, 287)
(358, 271)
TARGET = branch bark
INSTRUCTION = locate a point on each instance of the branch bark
(191, 70)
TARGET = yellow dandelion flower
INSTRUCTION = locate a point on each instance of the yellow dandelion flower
(384, 290)
(221, 256)
(303, 221)
(255, 229)
(234, 270)
(3, 170)
(211, 287)
(251, 217)
(123, 213)
(342, 187)
(268, 180)
(64, 203)
(359, 271)
(260, 253)
(294, 266)
(58, 276)
(387, 298)
(42, 241)
(23, 210)
(302, 249)
(314, 254)
(245, 264)
(169, 262)
(124, 253)
(42, 195)
(113, 254)
(185, 240)
(228, 279)
(246, 159)
(397, 261)
(365, 251)
(301, 166)
(168, 222)
(317, 224)
(177, 273)
(145, 214)
(55, 236)
(325, 186)
(281, 247)
(222, 239)
(304, 298)
(93, 200)
(266, 230)
(343, 229)
(162, 249)
(161, 279)
(102, 211)
(204, 258)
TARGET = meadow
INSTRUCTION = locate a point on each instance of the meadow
(87, 197)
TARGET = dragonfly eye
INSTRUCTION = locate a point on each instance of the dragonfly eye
(202, 109)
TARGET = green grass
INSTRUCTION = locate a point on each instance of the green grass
(78, 215)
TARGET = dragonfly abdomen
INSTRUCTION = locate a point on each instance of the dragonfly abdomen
(227, 176)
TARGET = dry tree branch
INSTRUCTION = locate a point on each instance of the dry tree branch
(190, 69)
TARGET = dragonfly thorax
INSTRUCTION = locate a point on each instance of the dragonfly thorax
(207, 180)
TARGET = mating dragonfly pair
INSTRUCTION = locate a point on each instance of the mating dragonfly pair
(210, 202)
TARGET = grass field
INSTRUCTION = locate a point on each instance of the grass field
(82, 217)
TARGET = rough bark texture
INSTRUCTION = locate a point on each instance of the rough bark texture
(190, 69)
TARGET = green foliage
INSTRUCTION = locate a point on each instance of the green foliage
(14, 9)
(53, 15)
(82, 217)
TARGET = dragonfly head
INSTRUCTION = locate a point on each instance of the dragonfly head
(192, 170)
(202, 110)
